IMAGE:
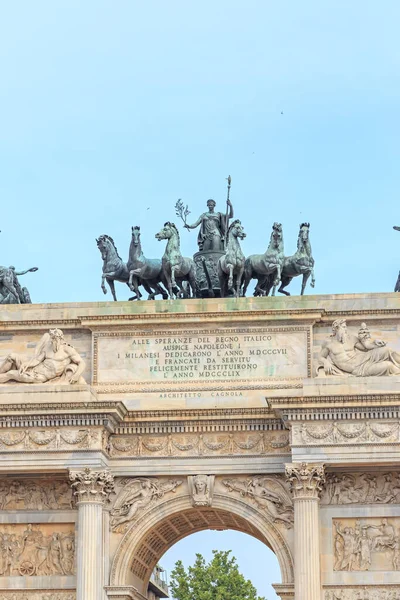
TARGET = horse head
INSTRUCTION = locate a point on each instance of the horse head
(105, 244)
(276, 236)
(304, 236)
(136, 235)
(236, 230)
(167, 232)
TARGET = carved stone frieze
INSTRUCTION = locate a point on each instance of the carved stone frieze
(37, 595)
(35, 494)
(362, 488)
(35, 550)
(201, 444)
(305, 479)
(334, 433)
(49, 439)
(92, 486)
(135, 495)
(201, 488)
(269, 493)
(391, 592)
(366, 544)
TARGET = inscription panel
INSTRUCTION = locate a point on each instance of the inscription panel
(202, 355)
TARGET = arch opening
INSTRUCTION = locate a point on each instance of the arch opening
(164, 525)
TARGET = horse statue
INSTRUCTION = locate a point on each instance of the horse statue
(301, 263)
(142, 269)
(231, 264)
(114, 268)
(264, 266)
(175, 268)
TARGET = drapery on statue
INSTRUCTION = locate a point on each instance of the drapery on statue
(362, 356)
(213, 227)
(54, 360)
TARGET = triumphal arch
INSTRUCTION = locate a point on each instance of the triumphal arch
(125, 427)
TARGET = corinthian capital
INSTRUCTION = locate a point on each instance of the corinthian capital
(92, 486)
(305, 479)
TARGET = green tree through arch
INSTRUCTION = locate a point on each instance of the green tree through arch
(219, 579)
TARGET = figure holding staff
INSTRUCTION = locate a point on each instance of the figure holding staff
(213, 225)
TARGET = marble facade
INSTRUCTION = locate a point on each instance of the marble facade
(203, 414)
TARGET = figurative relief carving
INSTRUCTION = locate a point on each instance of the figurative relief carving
(367, 545)
(361, 356)
(268, 493)
(200, 444)
(135, 496)
(364, 593)
(346, 433)
(31, 494)
(54, 360)
(201, 488)
(33, 550)
(362, 488)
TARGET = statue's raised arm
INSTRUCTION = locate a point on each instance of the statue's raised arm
(212, 227)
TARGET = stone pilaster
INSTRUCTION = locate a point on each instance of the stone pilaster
(306, 481)
(92, 490)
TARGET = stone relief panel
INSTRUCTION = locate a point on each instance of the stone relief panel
(367, 544)
(49, 439)
(362, 488)
(201, 489)
(357, 432)
(359, 353)
(37, 595)
(34, 550)
(252, 443)
(269, 493)
(54, 361)
(363, 593)
(35, 494)
(135, 495)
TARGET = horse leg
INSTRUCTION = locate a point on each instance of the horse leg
(230, 277)
(239, 281)
(284, 282)
(103, 284)
(304, 283)
(175, 287)
(168, 285)
(247, 277)
(259, 290)
(112, 288)
(312, 284)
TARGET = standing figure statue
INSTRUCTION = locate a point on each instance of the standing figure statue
(11, 291)
(231, 264)
(263, 266)
(301, 263)
(176, 268)
(213, 227)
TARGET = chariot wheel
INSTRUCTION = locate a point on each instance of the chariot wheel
(26, 568)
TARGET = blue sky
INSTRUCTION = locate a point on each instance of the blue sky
(111, 111)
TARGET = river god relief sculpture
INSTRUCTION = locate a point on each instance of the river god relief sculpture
(54, 360)
(359, 355)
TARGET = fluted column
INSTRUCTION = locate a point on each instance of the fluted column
(92, 490)
(306, 481)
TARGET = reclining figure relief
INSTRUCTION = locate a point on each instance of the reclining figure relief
(54, 360)
(359, 355)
